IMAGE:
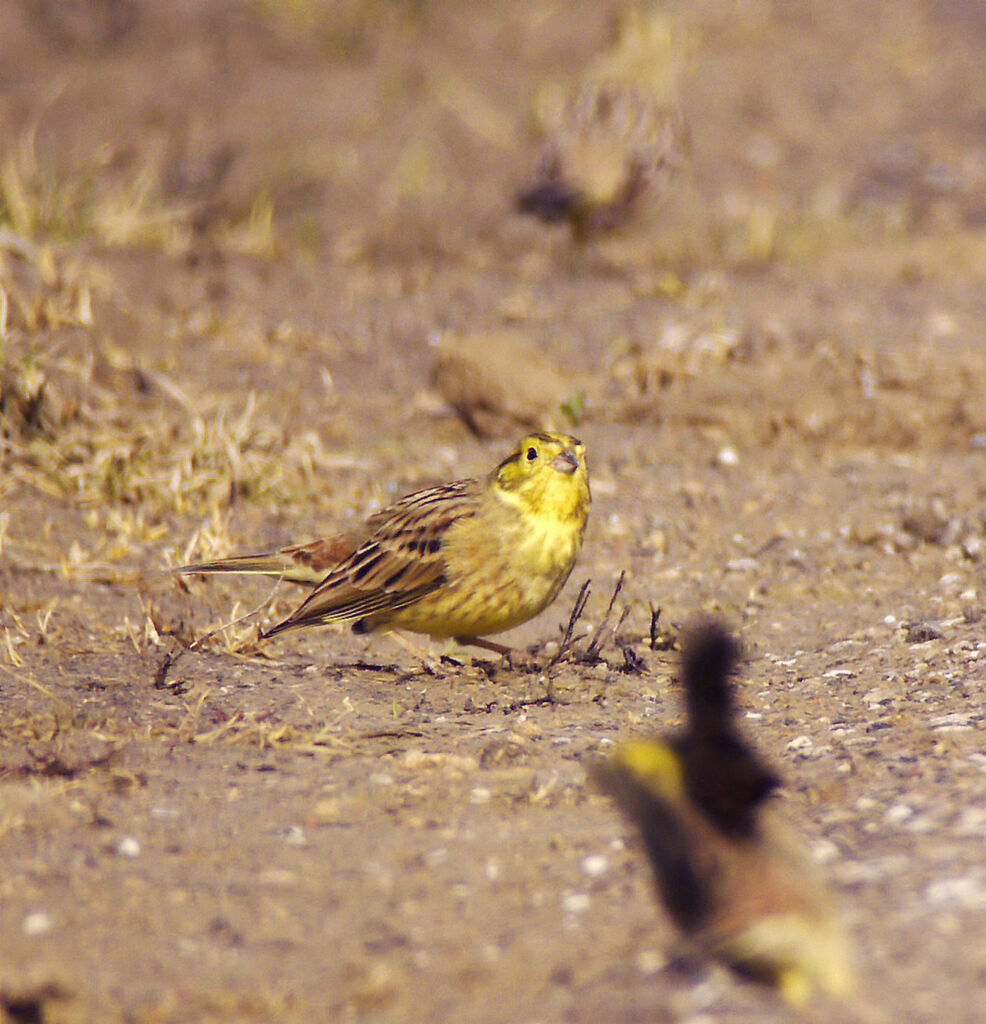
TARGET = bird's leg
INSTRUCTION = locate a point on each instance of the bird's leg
(430, 662)
(515, 657)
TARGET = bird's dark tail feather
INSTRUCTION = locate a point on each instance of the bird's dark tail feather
(551, 201)
(708, 658)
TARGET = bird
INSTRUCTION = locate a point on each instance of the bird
(617, 139)
(462, 560)
(734, 880)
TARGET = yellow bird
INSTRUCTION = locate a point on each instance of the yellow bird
(736, 882)
(617, 140)
(462, 560)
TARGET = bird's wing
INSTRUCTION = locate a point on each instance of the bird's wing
(666, 826)
(399, 563)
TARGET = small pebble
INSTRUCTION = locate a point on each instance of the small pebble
(595, 865)
(37, 923)
(967, 892)
(824, 851)
(953, 720)
(650, 961)
(972, 547)
(575, 902)
(294, 835)
(480, 795)
(897, 814)
(128, 847)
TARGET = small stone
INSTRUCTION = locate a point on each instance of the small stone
(897, 814)
(966, 892)
(575, 902)
(650, 961)
(415, 757)
(433, 858)
(595, 865)
(294, 835)
(37, 923)
(480, 795)
(972, 547)
(327, 811)
(491, 953)
(800, 743)
(953, 721)
(128, 847)
(742, 565)
(824, 851)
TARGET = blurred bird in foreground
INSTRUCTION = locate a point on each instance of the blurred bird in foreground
(462, 560)
(617, 141)
(736, 883)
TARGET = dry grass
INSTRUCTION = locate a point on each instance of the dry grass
(64, 430)
(121, 200)
(82, 421)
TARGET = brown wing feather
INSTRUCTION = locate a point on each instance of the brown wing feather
(398, 564)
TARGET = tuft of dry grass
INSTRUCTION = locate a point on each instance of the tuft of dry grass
(123, 200)
(84, 422)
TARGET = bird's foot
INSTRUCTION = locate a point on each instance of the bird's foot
(518, 660)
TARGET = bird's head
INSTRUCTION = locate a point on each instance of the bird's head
(548, 474)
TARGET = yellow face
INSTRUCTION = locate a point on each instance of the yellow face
(547, 474)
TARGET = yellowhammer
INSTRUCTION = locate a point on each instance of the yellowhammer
(462, 560)
(617, 140)
(735, 882)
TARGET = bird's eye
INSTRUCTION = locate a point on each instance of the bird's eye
(532, 454)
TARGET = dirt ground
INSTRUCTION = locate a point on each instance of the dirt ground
(236, 241)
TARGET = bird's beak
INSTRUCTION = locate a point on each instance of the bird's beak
(567, 462)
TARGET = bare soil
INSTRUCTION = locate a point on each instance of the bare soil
(236, 241)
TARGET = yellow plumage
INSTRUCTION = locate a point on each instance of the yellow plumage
(464, 560)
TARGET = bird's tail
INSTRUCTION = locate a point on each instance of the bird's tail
(277, 564)
(551, 201)
(707, 659)
(307, 564)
